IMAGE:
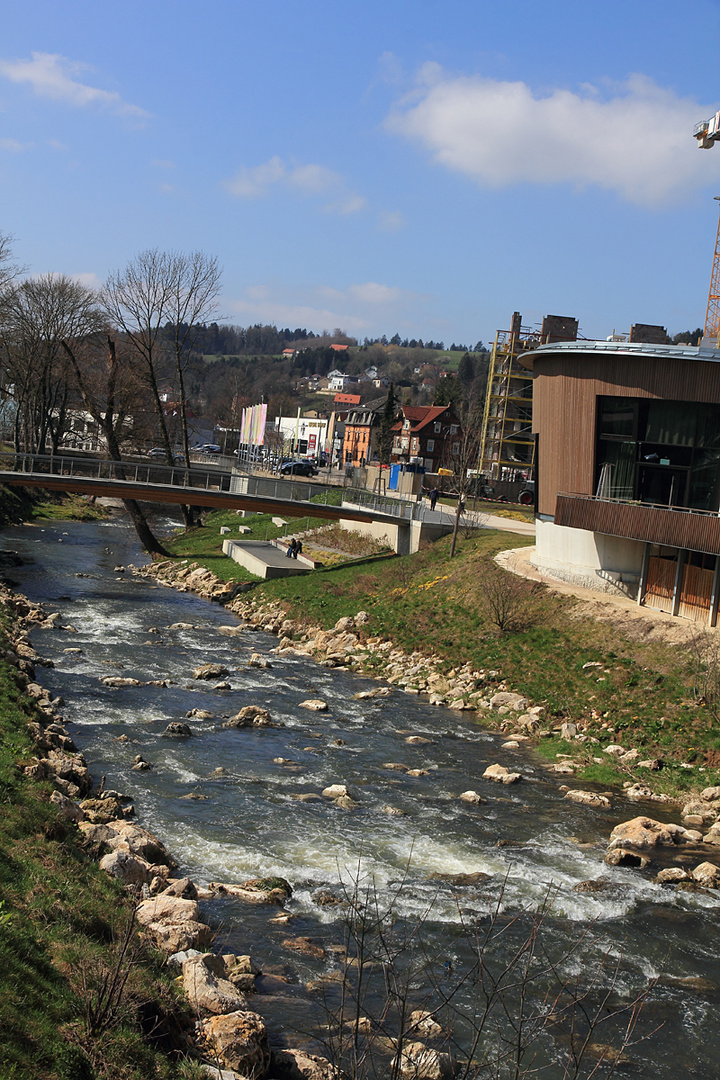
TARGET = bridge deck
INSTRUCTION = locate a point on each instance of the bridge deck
(162, 484)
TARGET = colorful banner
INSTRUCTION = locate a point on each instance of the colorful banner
(252, 428)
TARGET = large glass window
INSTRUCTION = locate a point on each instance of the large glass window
(662, 452)
(618, 417)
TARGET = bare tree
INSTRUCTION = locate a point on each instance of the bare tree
(155, 289)
(9, 270)
(514, 1002)
(38, 315)
(462, 454)
(110, 391)
(195, 285)
(137, 301)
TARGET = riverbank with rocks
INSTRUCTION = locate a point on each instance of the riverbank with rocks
(350, 645)
(169, 906)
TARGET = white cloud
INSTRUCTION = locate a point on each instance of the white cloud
(371, 292)
(311, 180)
(13, 146)
(53, 76)
(90, 280)
(637, 142)
(391, 221)
(359, 309)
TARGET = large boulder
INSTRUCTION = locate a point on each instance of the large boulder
(173, 923)
(644, 833)
(501, 775)
(291, 1064)
(707, 875)
(250, 716)
(68, 809)
(588, 798)
(336, 791)
(210, 671)
(165, 908)
(207, 988)
(239, 1041)
(129, 869)
(140, 842)
(421, 1062)
(507, 700)
(71, 769)
(314, 704)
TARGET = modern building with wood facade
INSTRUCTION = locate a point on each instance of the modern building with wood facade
(628, 470)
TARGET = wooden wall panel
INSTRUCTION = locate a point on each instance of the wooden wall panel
(566, 387)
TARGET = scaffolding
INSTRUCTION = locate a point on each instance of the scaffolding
(507, 446)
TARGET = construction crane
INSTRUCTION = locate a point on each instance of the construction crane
(707, 132)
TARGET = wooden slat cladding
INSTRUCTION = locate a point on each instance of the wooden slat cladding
(670, 528)
(565, 392)
(696, 593)
(660, 585)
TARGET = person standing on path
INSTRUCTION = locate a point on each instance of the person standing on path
(434, 498)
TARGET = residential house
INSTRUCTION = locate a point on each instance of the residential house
(360, 423)
(428, 435)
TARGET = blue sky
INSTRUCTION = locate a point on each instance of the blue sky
(378, 166)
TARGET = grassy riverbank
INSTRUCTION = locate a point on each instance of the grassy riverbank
(204, 544)
(61, 927)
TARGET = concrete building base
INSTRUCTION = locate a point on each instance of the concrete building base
(609, 564)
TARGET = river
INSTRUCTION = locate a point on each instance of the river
(248, 822)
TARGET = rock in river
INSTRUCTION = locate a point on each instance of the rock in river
(210, 671)
(501, 775)
(644, 833)
(238, 1040)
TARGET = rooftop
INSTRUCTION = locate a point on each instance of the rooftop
(624, 348)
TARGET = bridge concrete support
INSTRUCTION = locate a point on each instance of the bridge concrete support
(404, 536)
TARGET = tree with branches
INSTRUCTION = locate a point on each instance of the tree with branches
(38, 315)
(158, 303)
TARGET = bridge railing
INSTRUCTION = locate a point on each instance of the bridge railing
(146, 473)
(381, 504)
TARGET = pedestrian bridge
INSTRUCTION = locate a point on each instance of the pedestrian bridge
(197, 486)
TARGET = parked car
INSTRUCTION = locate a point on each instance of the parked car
(208, 448)
(159, 453)
(299, 468)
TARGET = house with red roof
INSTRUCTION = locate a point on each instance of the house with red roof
(427, 434)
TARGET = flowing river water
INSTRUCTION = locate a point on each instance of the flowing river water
(527, 839)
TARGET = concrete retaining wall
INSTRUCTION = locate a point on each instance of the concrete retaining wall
(592, 560)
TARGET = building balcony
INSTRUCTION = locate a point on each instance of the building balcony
(678, 527)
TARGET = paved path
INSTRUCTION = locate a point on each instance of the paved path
(480, 520)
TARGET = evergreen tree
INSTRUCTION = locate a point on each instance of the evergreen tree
(385, 434)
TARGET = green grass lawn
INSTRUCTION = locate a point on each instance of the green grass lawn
(204, 544)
